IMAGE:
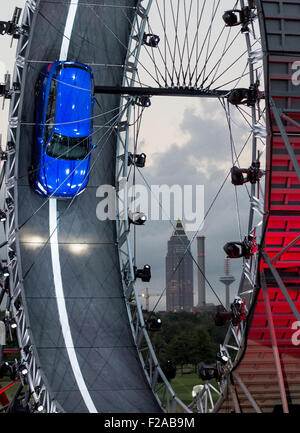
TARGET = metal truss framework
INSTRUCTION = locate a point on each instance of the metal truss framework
(272, 262)
(162, 389)
(266, 375)
(235, 338)
(211, 397)
(36, 394)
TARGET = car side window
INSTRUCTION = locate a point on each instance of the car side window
(50, 112)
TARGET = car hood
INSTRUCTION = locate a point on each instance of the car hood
(64, 178)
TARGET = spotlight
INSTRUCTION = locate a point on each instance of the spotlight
(207, 372)
(140, 160)
(153, 324)
(169, 369)
(235, 17)
(233, 250)
(39, 407)
(11, 27)
(2, 216)
(9, 203)
(238, 96)
(237, 177)
(3, 155)
(222, 316)
(222, 357)
(137, 218)
(245, 96)
(23, 370)
(151, 40)
(236, 315)
(236, 250)
(6, 369)
(144, 274)
(253, 174)
(4, 273)
(238, 311)
(230, 18)
(137, 160)
(143, 101)
(13, 324)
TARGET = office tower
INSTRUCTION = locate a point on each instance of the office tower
(179, 272)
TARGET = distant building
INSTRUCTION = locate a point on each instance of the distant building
(227, 280)
(179, 277)
(201, 271)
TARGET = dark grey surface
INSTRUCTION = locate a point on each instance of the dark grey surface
(282, 25)
(88, 255)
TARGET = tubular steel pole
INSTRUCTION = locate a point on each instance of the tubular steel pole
(274, 345)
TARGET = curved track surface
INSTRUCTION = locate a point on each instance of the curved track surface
(72, 283)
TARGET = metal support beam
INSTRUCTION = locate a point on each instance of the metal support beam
(235, 400)
(292, 121)
(286, 248)
(2, 293)
(247, 393)
(161, 91)
(281, 285)
(274, 345)
(285, 137)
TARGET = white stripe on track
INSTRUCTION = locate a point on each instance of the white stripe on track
(58, 285)
(62, 309)
(68, 30)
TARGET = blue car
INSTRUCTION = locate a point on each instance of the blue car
(64, 127)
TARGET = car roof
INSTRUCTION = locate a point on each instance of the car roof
(73, 101)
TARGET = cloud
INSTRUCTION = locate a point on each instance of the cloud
(204, 159)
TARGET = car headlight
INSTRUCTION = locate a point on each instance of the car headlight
(40, 186)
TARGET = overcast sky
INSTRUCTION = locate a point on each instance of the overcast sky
(199, 156)
(187, 142)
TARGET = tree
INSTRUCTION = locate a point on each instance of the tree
(160, 346)
(204, 347)
(180, 349)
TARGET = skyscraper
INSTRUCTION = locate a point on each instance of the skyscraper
(179, 277)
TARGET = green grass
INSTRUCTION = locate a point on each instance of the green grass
(183, 386)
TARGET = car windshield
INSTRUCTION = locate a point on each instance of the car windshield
(71, 148)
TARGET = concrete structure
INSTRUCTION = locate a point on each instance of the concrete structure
(201, 270)
(227, 280)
